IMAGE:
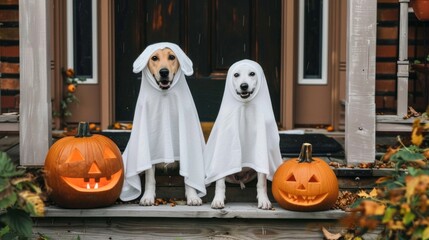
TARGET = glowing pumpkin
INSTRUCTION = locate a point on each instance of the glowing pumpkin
(305, 183)
(84, 171)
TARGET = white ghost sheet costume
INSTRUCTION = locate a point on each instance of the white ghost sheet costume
(245, 133)
(166, 127)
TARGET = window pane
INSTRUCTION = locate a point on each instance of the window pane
(313, 29)
(82, 29)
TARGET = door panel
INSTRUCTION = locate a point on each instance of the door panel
(214, 34)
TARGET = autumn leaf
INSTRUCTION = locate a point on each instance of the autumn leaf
(363, 194)
(415, 183)
(390, 151)
(330, 236)
(383, 179)
(425, 234)
(408, 218)
(416, 133)
(373, 193)
(395, 225)
(372, 208)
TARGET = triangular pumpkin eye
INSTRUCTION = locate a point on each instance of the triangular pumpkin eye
(313, 179)
(291, 178)
(108, 154)
(75, 156)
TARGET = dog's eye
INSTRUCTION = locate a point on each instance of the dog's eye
(171, 57)
(155, 58)
(252, 74)
(236, 75)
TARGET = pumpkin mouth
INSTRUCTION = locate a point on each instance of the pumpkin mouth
(93, 184)
(304, 200)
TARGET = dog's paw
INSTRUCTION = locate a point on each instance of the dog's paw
(192, 198)
(264, 203)
(148, 199)
(218, 203)
(194, 201)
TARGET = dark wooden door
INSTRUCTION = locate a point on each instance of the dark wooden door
(214, 34)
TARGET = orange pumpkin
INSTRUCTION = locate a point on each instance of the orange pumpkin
(305, 183)
(84, 171)
(421, 9)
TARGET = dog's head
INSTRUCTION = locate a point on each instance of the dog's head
(163, 65)
(164, 62)
(244, 81)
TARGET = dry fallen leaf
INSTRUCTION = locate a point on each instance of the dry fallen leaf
(417, 133)
(330, 236)
(363, 194)
(389, 153)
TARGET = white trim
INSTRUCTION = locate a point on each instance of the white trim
(70, 55)
(324, 79)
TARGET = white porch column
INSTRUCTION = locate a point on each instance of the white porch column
(35, 96)
(360, 86)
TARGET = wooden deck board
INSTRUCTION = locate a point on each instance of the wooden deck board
(162, 228)
(232, 210)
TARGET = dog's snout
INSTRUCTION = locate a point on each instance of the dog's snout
(244, 86)
(164, 72)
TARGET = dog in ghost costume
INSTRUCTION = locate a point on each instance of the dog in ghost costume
(166, 127)
(245, 134)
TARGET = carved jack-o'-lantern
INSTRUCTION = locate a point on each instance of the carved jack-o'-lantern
(84, 171)
(305, 183)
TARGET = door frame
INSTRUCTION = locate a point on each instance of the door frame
(106, 63)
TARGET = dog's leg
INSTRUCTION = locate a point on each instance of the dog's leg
(148, 198)
(261, 188)
(192, 198)
(219, 198)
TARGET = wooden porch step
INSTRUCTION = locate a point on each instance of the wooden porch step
(231, 210)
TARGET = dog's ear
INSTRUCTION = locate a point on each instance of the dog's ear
(185, 62)
(142, 60)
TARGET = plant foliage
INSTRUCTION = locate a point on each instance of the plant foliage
(20, 198)
(71, 81)
(400, 203)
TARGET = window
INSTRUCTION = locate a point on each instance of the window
(313, 44)
(82, 38)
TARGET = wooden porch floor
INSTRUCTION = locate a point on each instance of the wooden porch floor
(238, 220)
(235, 221)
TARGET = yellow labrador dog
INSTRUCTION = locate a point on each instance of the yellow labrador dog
(166, 127)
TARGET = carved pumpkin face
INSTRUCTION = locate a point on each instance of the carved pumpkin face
(305, 185)
(84, 171)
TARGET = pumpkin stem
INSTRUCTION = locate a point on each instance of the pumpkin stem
(306, 153)
(83, 130)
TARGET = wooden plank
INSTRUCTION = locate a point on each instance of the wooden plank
(7, 142)
(9, 127)
(35, 75)
(360, 90)
(9, 51)
(215, 229)
(231, 210)
(9, 84)
(360, 130)
(9, 34)
(403, 63)
(9, 2)
(6, 67)
(9, 16)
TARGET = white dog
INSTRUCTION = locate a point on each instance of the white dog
(166, 127)
(245, 133)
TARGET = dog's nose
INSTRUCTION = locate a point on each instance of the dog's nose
(244, 86)
(164, 72)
